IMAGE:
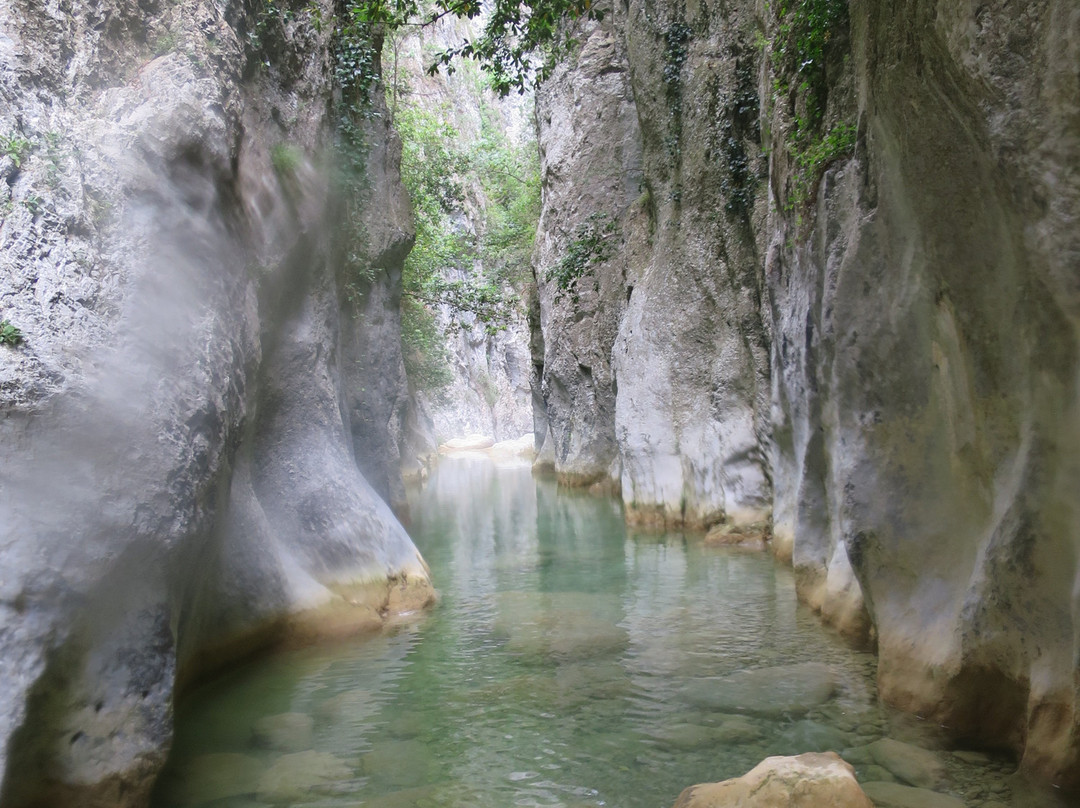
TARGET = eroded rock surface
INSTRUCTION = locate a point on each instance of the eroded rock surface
(851, 313)
(183, 422)
(804, 781)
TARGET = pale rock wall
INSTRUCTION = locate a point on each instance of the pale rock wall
(887, 369)
(590, 162)
(179, 429)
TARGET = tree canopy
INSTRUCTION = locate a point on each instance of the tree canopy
(520, 41)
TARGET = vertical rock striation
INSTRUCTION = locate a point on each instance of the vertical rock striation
(871, 346)
(590, 162)
(185, 421)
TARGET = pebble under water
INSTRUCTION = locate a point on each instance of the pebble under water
(572, 662)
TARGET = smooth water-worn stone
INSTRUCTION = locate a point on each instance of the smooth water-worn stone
(196, 394)
(737, 729)
(877, 355)
(911, 764)
(806, 781)
(894, 795)
(871, 772)
(302, 777)
(782, 690)
(288, 732)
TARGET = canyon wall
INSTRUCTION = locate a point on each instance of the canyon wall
(841, 307)
(209, 357)
(486, 387)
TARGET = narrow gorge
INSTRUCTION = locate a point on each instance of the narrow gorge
(805, 276)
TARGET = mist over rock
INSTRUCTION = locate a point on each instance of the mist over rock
(186, 419)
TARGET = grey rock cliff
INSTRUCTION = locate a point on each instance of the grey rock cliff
(182, 425)
(872, 346)
(590, 158)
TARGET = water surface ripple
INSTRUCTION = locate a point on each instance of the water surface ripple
(568, 663)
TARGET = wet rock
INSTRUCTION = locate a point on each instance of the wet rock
(911, 764)
(740, 537)
(858, 755)
(805, 780)
(472, 443)
(894, 795)
(287, 732)
(971, 756)
(737, 729)
(302, 777)
(781, 690)
(871, 772)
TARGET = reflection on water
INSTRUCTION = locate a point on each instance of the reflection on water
(568, 663)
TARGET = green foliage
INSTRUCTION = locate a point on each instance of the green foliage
(676, 50)
(593, 243)
(9, 334)
(738, 122)
(423, 348)
(515, 34)
(810, 34)
(805, 30)
(54, 158)
(509, 175)
(811, 163)
(16, 147)
(286, 159)
(166, 43)
(470, 276)
(838, 142)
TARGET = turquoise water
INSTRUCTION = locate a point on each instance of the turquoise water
(569, 662)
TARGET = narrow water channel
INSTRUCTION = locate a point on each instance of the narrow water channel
(569, 662)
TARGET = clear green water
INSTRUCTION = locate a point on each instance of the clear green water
(569, 663)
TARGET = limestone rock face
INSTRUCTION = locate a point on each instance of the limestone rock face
(181, 425)
(805, 781)
(873, 344)
(590, 159)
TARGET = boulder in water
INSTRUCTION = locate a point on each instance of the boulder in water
(302, 777)
(911, 764)
(894, 795)
(803, 781)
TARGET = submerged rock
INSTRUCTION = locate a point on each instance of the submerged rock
(302, 777)
(894, 795)
(782, 690)
(287, 732)
(811, 780)
(911, 764)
